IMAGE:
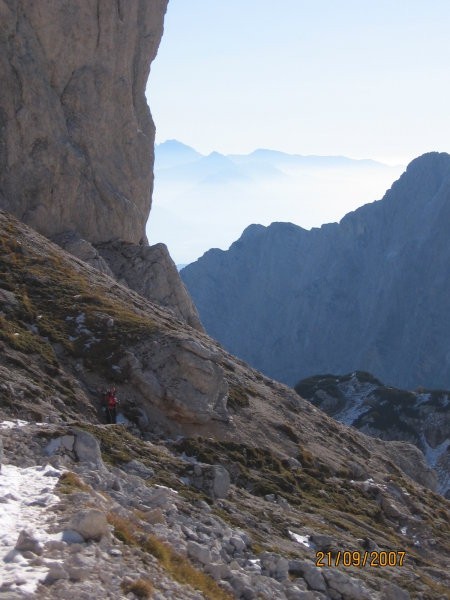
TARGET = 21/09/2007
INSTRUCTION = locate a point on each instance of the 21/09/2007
(379, 558)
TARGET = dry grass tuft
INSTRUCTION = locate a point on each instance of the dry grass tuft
(177, 566)
(141, 588)
(69, 483)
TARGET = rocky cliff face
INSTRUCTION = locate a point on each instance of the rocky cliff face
(370, 293)
(76, 133)
(360, 400)
(218, 483)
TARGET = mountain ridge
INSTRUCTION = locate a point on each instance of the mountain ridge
(294, 302)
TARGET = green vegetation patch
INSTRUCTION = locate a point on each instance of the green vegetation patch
(238, 397)
(307, 388)
(20, 338)
(392, 409)
(328, 383)
(57, 304)
(258, 470)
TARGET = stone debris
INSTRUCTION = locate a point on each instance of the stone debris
(76, 555)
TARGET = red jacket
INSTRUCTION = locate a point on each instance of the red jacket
(111, 400)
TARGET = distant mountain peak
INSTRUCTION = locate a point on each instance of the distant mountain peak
(173, 153)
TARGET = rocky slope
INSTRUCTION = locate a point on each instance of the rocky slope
(370, 293)
(255, 480)
(388, 413)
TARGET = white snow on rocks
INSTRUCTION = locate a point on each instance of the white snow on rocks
(438, 459)
(25, 495)
(356, 394)
(13, 424)
(300, 539)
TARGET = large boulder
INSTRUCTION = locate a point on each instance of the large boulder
(182, 378)
(90, 523)
(76, 134)
(214, 480)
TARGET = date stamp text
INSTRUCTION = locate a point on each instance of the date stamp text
(379, 558)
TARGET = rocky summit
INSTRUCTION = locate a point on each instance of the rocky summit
(370, 293)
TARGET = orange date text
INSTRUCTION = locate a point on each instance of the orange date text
(379, 558)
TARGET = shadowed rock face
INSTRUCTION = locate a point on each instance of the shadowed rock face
(76, 134)
(370, 293)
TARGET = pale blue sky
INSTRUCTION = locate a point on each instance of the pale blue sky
(361, 78)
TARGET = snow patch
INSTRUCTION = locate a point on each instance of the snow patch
(25, 496)
(13, 424)
(434, 454)
(300, 539)
(356, 394)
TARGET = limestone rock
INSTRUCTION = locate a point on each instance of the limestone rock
(72, 242)
(7, 300)
(214, 480)
(62, 443)
(1, 453)
(28, 542)
(90, 523)
(348, 587)
(393, 592)
(56, 571)
(218, 570)
(411, 460)
(310, 573)
(136, 467)
(199, 552)
(76, 134)
(182, 378)
(87, 448)
(70, 536)
(150, 271)
(80, 444)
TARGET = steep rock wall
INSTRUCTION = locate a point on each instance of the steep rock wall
(76, 134)
(370, 293)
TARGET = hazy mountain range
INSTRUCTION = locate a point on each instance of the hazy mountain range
(203, 201)
(371, 293)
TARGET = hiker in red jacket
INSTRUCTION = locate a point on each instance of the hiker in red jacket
(111, 406)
